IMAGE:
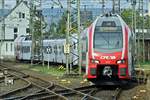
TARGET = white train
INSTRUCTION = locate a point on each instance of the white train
(53, 50)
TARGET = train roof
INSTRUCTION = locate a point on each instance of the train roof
(109, 21)
(19, 38)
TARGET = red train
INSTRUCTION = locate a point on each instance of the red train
(108, 51)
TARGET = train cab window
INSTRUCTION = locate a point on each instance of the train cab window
(26, 49)
(108, 37)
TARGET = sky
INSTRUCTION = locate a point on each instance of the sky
(48, 3)
(89, 3)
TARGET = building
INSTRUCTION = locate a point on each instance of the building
(139, 47)
(15, 22)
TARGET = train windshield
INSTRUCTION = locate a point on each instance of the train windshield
(108, 39)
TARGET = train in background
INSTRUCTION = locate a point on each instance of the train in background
(107, 50)
(53, 50)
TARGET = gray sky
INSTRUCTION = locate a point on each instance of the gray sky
(90, 3)
(48, 3)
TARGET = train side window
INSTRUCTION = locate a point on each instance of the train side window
(6, 47)
(56, 52)
(60, 50)
(26, 49)
(74, 45)
(55, 49)
(23, 49)
(45, 49)
(11, 47)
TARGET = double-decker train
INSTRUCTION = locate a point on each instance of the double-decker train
(107, 50)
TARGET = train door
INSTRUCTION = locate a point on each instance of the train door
(59, 49)
(44, 50)
(56, 51)
(50, 52)
(62, 49)
(21, 47)
(52, 43)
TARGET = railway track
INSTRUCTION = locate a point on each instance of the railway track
(73, 94)
(46, 90)
(109, 93)
(38, 89)
(35, 85)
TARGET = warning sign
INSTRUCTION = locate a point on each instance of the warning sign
(66, 48)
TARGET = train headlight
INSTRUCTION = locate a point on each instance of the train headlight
(120, 61)
(95, 61)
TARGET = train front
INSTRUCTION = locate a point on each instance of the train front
(108, 51)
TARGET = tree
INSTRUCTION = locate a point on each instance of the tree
(127, 16)
(61, 29)
(37, 29)
(147, 22)
(52, 30)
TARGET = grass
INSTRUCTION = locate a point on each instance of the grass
(145, 65)
(53, 70)
(57, 71)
